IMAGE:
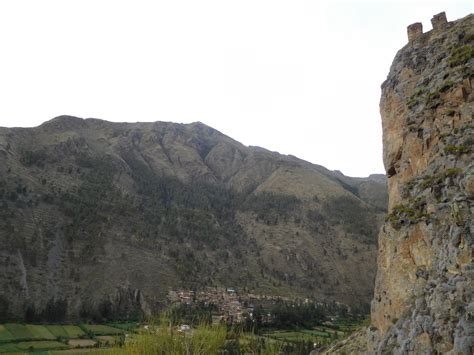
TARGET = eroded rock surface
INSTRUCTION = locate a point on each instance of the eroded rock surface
(423, 292)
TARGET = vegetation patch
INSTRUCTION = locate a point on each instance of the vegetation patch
(446, 85)
(348, 212)
(433, 99)
(432, 180)
(33, 158)
(403, 214)
(73, 331)
(40, 332)
(130, 326)
(461, 55)
(58, 331)
(456, 150)
(271, 207)
(415, 98)
(5, 334)
(8, 348)
(99, 329)
(40, 345)
(108, 340)
(19, 331)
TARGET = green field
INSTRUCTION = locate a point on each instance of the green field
(31, 345)
(125, 326)
(292, 336)
(321, 334)
(49, 339)
(316, 333)
(73, 331)
(58, 331)
(19, 331)
(40, 332)
(8, 347)
(5, 334)
(41, 345)
(99, 329)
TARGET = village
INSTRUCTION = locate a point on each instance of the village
(232, 306)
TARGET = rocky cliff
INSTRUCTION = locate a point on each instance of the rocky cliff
(101, 219)
(423, 291)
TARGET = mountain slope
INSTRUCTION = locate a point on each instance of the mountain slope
(101, 217)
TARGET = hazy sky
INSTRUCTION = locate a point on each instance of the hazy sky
(298, 77)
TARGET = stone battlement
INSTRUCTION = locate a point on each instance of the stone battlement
(438, 21)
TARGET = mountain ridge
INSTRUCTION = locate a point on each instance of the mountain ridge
(113, 200)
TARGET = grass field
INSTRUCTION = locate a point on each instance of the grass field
(73, 331)
(64, 339)
(5, 334)
(125, 326)
(8, 347)
(40, 332)
(293, 336)
(58, 331)
(56, 339)
(19, 331)
(321, 334)
(76, 352)
(99, 329)
(31, 345)
(41, 345)
(317, 333)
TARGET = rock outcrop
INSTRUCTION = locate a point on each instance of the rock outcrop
(423, 292)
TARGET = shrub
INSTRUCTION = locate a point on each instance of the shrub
(456, 150)
(461, 55)
(33, 158)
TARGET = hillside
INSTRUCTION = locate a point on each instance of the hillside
(102, 219)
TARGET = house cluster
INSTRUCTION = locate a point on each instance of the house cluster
(232, 306)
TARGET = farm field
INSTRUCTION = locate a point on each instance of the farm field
(81, 343)
(31, 346)
(294, 336)
(108, 339)
(5, 334)
(99, 329)
(320, 334)
(57, 339)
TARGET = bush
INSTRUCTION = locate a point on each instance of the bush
(33, 158)
(461, 55)
(456, 150)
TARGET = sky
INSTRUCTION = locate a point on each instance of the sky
(297, 77)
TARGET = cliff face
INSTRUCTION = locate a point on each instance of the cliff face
(423, 291)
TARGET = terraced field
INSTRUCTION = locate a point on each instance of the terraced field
(57, 339)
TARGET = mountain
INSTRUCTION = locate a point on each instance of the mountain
(101, 219)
